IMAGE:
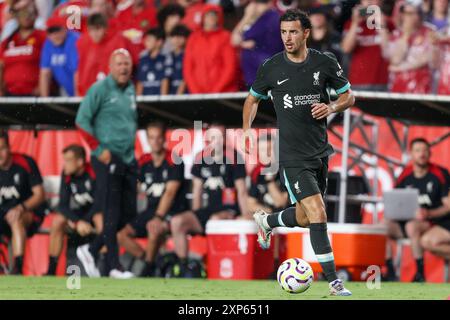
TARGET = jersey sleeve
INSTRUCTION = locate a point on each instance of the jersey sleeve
(177, 172)
(195, 171)
(336, 78)
(64, 200)
(260, 88)
(34, 177)
(239, 172)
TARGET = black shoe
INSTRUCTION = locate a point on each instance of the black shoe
(419, 277)
(148, 271)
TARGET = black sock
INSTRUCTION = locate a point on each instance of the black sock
(18, 265)
(322, 249)
(419, 263)
(390, 267)
(96, 245)
(52, 264)
(285, 218)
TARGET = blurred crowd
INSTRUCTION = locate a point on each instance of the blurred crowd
(59, 47)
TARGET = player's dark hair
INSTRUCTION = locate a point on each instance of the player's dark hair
(77, 150)
(180, 30)
(419, 140)
(4, 135)
(169, 10)
(157, 32)
(157, 124)
(97, 20)
(296, 14)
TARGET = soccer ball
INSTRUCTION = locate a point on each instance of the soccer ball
(295, 275)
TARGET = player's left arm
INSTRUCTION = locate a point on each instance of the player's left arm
(323, 110)
(336, 80)
(37, 188)
(169, 194)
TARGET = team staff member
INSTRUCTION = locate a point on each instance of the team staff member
(161, 179)
(19, 56)
(76, 199)
(107, 119)
(298, 79)
(432, 182)
(22, 199)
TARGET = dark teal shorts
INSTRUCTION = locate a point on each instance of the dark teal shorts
(306, 179)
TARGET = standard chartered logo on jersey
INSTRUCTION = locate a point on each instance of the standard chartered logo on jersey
(287, 100)
(307, 99)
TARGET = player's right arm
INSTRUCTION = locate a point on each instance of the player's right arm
(258, 91)
(249, 114)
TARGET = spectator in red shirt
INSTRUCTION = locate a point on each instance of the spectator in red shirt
(106, 8)
(368, 68)
(136, 20)
(210, 61)
(92, 46)
(65, 10)
(193, 10)
(409, 52)
(20, 56)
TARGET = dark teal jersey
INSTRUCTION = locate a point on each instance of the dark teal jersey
(294, 87)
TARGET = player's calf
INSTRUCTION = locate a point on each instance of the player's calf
(56, 239)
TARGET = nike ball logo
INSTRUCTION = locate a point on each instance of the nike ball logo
(280, 82)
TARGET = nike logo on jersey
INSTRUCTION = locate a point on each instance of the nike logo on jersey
(282, 81)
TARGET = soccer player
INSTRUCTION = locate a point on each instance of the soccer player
(22, 199)
(76, 199)
(298, 79)
(107, 120)
(161, 178)
(432, 181)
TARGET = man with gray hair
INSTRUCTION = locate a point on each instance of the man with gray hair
(107, 120)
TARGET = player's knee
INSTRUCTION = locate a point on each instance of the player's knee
(426, 242)
(122, 235)
(176, 224)
(412, 229)
(303, 221)
(16, 222)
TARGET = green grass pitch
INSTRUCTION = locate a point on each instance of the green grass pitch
(53, 288)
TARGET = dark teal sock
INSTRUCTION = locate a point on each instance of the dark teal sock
(322, 249)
